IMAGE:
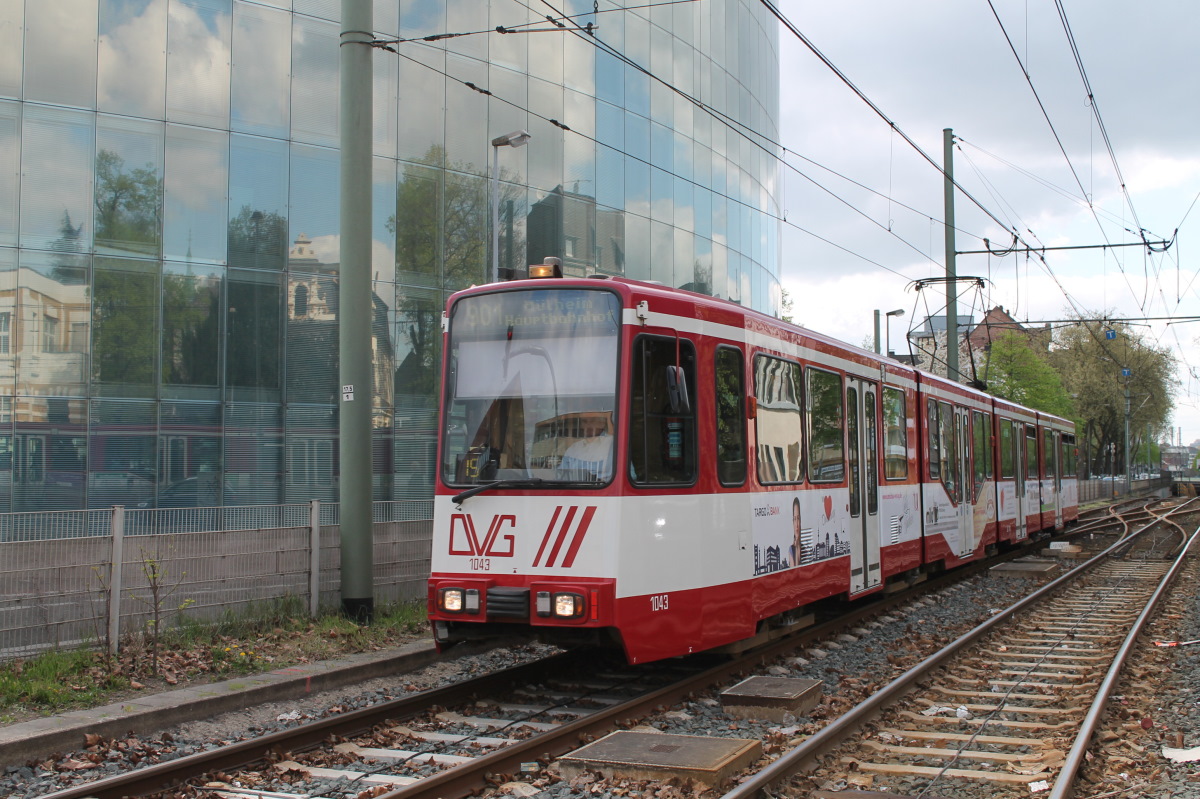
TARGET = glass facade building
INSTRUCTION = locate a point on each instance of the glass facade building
(169, 217)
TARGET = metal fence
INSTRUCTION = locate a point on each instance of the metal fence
(75, 578)
(1107, 488)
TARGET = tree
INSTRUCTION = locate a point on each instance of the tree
(1016, 373)
(128, 205)
(1091, 367)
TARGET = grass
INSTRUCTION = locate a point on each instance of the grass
(264, 638)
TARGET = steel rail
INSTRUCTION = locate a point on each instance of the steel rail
(834, 733)
(1064, 784)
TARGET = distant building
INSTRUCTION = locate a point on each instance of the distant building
(929, 343)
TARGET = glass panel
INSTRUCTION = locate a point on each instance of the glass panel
(871, 451)
(517, 409)
(191, 314)
(895, 432)
(198, 57)
(253, 354)
(467, 139)
(610, 241)
(383, 219)
(315, 84)
(777, 420)
(314, 219)
(52, 325)
(637, 247)
(1007, 459)
(419, 239)
(262, 61)
(60, 52)
(935, 445)
(950, 456)
(465, 234)
(662, 439)
(853, 452)
(310, 443)
(56, 175)
(49, 454)
(325, 9)
(12, 30)
(196, 209)
(1048, 452)
(122, 461)
(253, 454)
(728, 378)
(129, 186)
(258, 191)
(610, 178)
(312, 343)
(189, 455)
(9, 329)
(384, 101)
(421, 137)
(825, 427)
(124, 327)
(133, 61)
(422, 18)
(1031, 453)
(10, 170)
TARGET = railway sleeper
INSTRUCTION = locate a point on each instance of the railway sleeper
(933, 771)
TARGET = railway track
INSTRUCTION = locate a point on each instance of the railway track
(451, 741)
(1008, 709)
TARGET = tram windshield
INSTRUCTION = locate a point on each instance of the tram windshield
(531, 387)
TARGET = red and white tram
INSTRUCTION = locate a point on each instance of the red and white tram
(666, 472)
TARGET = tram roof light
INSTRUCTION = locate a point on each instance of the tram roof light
(549, 267)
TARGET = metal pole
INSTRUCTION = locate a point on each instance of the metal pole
(117, 520)
(1128, 476)
(495, 213)
(876, 331)
(951, 276)
(355, 311)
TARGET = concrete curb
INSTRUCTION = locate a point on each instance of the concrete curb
(147, 714)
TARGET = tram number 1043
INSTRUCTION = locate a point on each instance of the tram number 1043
(658, 602)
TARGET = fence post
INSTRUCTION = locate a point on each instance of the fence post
(117, 527)
(314, 550)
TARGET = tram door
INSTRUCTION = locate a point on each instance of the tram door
(1054, 456)
(966, 512)
(1019, 480)
(862, 414)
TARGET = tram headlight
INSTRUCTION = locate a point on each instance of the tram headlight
(561, 605)
(458, 600)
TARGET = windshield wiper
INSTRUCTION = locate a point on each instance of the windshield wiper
(525, 482)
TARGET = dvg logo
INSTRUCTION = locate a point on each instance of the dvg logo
(559, 545)
(465, 541)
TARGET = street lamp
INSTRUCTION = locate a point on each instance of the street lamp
(888, 334)
(515, 139)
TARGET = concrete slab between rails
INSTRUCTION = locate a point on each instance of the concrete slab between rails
(1024, 566)
(630, 754)
(147, 714)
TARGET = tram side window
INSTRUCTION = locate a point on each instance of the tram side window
(1050, 451)
(981, 451)
(731, 428)
(662, 433)
(935, 447)
(1031, 458)
(895, 435)
(777, 420)
(951, 454)
(1068, 448)
(826, 461)
(1008, 459)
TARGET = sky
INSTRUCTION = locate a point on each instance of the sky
(864, 209)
